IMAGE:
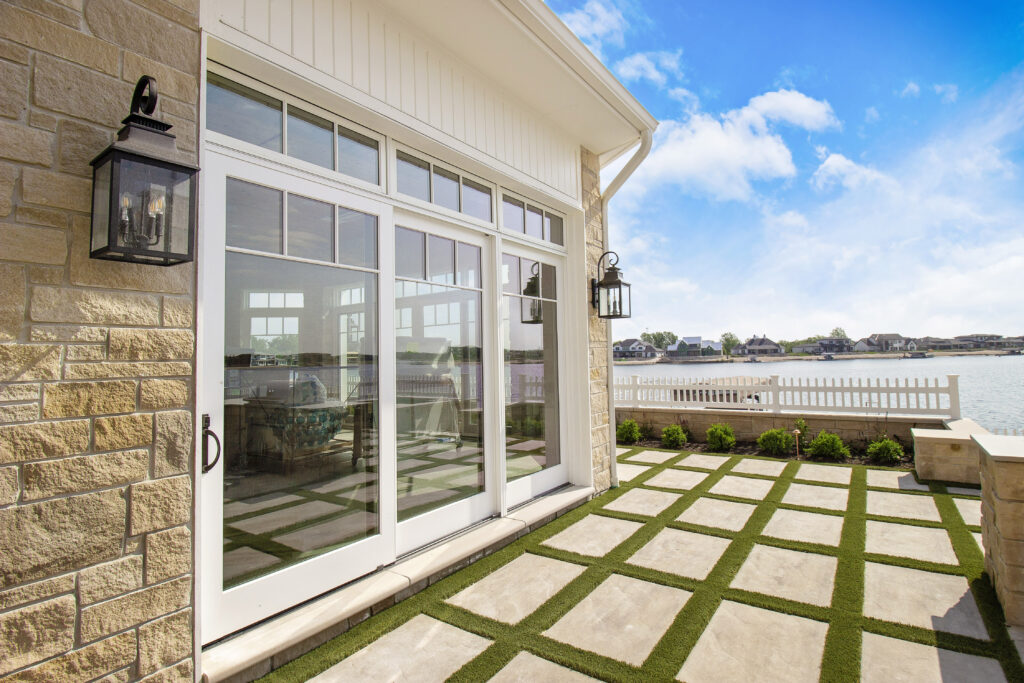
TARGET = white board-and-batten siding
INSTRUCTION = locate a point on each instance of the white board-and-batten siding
(368, 49)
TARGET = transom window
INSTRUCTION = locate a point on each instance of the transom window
(525, 218)
(429, 182)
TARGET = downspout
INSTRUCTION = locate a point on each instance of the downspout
(613, 187)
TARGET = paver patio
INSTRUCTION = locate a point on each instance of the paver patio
(741, 569)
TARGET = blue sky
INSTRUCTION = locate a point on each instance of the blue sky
(820, 165)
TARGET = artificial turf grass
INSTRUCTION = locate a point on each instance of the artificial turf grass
(841, 657)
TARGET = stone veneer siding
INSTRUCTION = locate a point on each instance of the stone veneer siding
(96, 357)
(600, 415)
(1002, 526)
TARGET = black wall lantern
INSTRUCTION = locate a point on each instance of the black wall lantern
(143, 202)
(610, 295)
(532, 312)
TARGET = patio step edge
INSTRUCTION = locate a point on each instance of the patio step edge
(276, 641)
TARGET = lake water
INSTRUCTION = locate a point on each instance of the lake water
(991, 387)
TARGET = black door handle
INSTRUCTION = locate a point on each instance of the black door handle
(207, 432)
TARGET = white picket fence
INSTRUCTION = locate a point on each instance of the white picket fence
(794, 394)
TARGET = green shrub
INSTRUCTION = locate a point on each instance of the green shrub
(628, 431)
(647, 432)
(885, 452)
(721, 437)
(776, 442)
(687, 433)
(828, 446)
(805, 431)
(673, 437)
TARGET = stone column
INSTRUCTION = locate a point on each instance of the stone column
(1002, 519)
(598, 330)
(96, 357)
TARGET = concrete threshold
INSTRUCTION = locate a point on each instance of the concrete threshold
(272, 643)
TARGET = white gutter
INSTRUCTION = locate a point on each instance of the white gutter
(641, 153)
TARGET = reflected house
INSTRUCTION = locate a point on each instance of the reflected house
(383, 346)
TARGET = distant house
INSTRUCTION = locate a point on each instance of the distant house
(889, 342)
(835, 345)
(978, 341)
(758, 346)
(693, 346)
(866, 345)
(634, 348)
(710, 348)
(811, 347)
(933, 344)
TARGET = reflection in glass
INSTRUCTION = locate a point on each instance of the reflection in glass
(440, 260)
(534, 222)
(357, 238)
(531, 384)
(476, 200)
(357, 155)
(413, 176)
(510, 274)
(310, 229)
(242, 113)
(446, 189)
(309, 138)
(300, 412)
(512, 214)
(440, 394)
(254, 216)
(469, 266)
(553, 231)
(409, 254)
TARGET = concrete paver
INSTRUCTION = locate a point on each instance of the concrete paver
(721, 514)
(627, 472)
(970, 510)
(681, 552)
(830, 474)
(676, 479)
(883, 660)
(802, 577)
(529, 668)
(743, 487)
(809, 527)
(642, 502)
(905, 540)
(768, 468)
(606, 621)
(656, 457)
(706, 462)
(593, 535)
(887, 479)
(903, 505)
(744, 643)
(826, 497)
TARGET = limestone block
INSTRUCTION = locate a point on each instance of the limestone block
(1007, 479)
(114, 275)
(35, 245)
(95, 97)
(173, 451)
(61, 305)
(150, 344)
(160, 503)
(26, 145)
(114, 370)
(1008, 517)
(123, 431)
(45, 275)
(37, 591)
(28, 362)
(38, 119)
(21, 412)
(157, 394)
(13, 90)
(179, 673)
(84, 664)
(9, 488)
(173, 83)
(159, 39)
(35, 215)
(168, 553)
(178, 312)
(74, 399)
(20, 443)
(85, 352)
(67, 333)
(36, 632)
(12, 300)
(47, 36)
(113, 578)
(43, 539)
(84, 473)
(14, 53)
(165, 641)
(8, 174)
(79, 143)
(134, 608)
(56, 189)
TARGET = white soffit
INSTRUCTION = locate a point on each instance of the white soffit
(523, 46)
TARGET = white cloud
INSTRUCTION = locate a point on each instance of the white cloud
(655, 67)
(689, 100)
(911, 90)
(871, 115)
(947, 91)
(720, 157)
(596, 23)
(836, 169)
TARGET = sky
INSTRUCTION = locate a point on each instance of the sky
(819, 164)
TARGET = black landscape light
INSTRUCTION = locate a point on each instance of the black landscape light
(532, 311)
(610, 296)
(143, 201)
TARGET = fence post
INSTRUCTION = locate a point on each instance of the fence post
(775, 405)
(954, 395)
(634, 390)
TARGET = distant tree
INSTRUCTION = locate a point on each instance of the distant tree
(659, 340)
(838, 332)
(729, 340)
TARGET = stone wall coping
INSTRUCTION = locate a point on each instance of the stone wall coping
(261, 642)
(965, 424)
(941, 435)
(1001, 448)
(785, 414)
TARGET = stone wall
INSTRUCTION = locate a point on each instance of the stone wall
(1002, 519)
(598, 329)
(748, 424)
(96, 357)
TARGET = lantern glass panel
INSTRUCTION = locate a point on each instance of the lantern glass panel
(153, 207)
(101, 205)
